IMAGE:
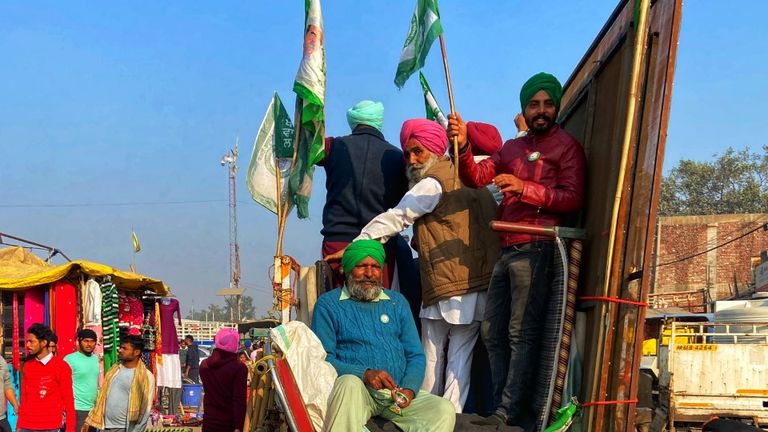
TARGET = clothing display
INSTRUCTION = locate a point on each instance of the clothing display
(130, 314)
(65, 324)
(109, 311)
(169, 373)
(15, 351)
(34, 306)
(92, 303)
(169, 307)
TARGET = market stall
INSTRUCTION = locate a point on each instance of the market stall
(82, 294)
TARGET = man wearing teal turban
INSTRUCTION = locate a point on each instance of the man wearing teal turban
(362, 164)
(371, 340)
(366, 113)
(542, 178)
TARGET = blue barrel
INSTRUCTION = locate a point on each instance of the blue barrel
(191, 394)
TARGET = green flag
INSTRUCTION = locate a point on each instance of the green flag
(425, 28)
(272, 150)
(310, 99)
(433, 110)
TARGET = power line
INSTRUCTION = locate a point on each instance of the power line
(763, 226)
(120, 204)
(113, 204)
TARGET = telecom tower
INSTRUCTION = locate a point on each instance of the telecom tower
(234, 292)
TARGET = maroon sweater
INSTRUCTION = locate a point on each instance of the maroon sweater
(46, 394)
(224, 383)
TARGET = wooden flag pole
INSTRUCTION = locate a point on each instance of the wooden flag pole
(282, 216)
(454, 140)
(279, 203)
(281, 280)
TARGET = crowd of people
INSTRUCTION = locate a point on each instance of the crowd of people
(68, 394)
(473, 281)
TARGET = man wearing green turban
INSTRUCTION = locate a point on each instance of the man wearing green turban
(542, 178)
(371, 340)
(364, 177)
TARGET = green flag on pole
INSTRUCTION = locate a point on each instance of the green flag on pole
(433, 109)
(425, 28)
(272, 150)
(310, 99)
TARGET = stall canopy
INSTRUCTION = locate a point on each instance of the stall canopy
(20, 269)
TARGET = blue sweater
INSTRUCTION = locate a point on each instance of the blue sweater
(370, 335)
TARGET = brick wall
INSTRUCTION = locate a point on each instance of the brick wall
(683, 236)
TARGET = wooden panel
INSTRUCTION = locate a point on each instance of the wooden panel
(596, 103)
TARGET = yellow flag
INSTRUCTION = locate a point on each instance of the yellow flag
(136, 245)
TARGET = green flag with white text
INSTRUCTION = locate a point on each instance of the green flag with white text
(424, 29)
(272, 151)
(433, 110)
(310, 99)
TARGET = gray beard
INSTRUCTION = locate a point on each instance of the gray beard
(359, 291)
(415, 172)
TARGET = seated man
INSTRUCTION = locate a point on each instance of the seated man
(371, 341)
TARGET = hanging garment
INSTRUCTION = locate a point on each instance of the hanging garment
(169, 373)
(170, 342)
(47, 308)
(92, 303)
(34, 306)
(131, 314)
(109, 307)
(50, 308)
(159, 342)
(16, 353)
(65, 322)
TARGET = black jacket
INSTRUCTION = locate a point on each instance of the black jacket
(365, 176)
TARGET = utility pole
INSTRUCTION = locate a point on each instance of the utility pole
(230, 161)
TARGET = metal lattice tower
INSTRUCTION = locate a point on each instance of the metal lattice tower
(230, 160)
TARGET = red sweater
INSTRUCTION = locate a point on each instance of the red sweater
(46, 394)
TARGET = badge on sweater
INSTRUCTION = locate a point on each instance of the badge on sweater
(384, 318)
(533, 157)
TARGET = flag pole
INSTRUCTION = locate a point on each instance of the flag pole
(279, 204)
(454, 140)
(281, 279)
(296, 140)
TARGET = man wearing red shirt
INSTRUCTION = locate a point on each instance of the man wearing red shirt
(542, 178)
(46, 387)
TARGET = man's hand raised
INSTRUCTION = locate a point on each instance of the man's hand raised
(378, 379)
(336, 256)
(457, 128)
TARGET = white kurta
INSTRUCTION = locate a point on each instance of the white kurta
(453, 321)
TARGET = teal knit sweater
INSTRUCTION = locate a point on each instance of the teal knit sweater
(370, 335)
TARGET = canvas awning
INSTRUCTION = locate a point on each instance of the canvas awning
(20, 269)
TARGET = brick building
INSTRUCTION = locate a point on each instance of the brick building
(733, 244)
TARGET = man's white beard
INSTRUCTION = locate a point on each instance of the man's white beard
(415, 172)
(359, 291)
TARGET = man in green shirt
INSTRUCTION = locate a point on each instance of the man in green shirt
(85, 375)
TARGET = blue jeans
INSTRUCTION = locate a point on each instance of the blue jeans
(514, 319)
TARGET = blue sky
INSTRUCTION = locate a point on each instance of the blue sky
(136, 102)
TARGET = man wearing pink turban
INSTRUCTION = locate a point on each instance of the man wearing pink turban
(456, 249)
(224, 384)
